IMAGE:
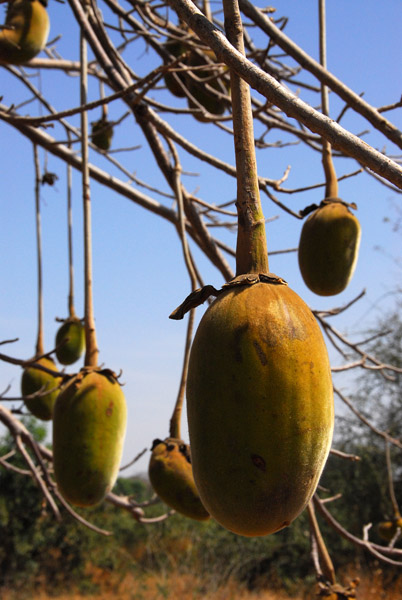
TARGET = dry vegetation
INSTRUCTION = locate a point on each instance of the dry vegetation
(172, 586)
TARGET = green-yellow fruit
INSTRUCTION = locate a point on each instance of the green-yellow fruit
(172, 479)
(328, 248)
(70, 341)
(102, 134)
(29, 31)
(89, 424)
(260, 408)
(387, 529)
(34, 380)
(176, 48)
(208, 100)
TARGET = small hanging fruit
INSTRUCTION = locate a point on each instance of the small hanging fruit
(70, 341)
(102, 133)
(88, 434)
(330, 237)
(90, 414)
(328, 247)
(34, 381)
(25, 31)
(387, 529)
(172, 479)
(210, 101)
(170, 470)
(176, 48)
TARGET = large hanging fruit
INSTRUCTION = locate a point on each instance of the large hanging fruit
(259, 390)
(34, 381)
(260, 412)
(27, 29)
(172, 479)
(89, 424)
(328, 247)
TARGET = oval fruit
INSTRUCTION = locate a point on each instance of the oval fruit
(171, 476)
(211, 102)
(70, 341)
(89, 424)
(29, 31)
(328, 248)
(387, 529)
(34, 380)
(102, 134)
(176, 48)
(260, 408)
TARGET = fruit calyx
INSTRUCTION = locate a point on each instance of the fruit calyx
(170, 443)
(108, 373)
(312, 207)
(200, 295)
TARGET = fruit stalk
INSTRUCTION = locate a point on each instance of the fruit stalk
(331, 188)
(71, 309)
(324, 557)
(39, 340)
(174, 425)
(91, 354)
(395, 506)
(251, 249)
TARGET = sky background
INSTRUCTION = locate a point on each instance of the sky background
(139, 274)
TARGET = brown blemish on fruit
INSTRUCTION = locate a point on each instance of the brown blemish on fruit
(259, 462)
(260, 352)
(237, 342)
(109, 410)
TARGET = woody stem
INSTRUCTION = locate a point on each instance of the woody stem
(251, 250)
(91, 354)
(39, 340)
(331, 188)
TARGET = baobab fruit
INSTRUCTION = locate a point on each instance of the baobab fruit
(37, 381)
(70, 341)
(25, 31)
(89, 425)
(171, 477)
(210, 101)
(260, 407)
(387, 529)
(328, 248)
(176, 48)
(102, 133)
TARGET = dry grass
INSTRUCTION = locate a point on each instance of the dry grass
(189, 587)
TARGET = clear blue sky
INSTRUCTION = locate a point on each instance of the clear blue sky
(139, 275)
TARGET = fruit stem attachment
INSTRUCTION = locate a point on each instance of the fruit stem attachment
(71, 309)
(174, 425)
(91, 354)
(397, 512)
(39, 350)
(325, 562)
(331, 188)
(251, 250)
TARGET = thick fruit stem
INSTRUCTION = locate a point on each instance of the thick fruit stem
(251, 251)
(91, 355)
(39, 340)
(71, 309)
(325, 560)
(331, 188)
